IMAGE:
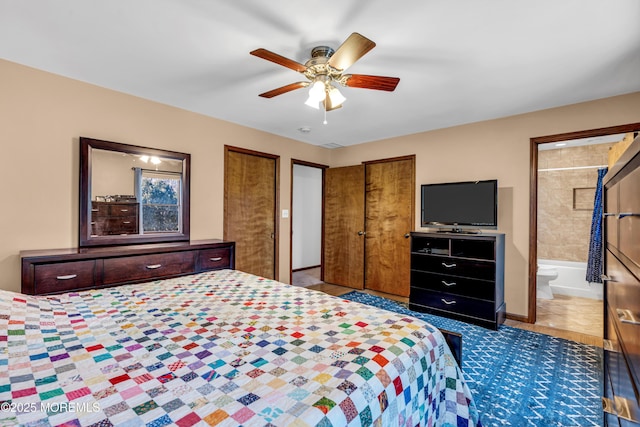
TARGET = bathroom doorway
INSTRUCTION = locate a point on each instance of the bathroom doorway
(307, 195)
(564, 180)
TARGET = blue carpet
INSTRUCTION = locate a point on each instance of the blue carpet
(518, 377)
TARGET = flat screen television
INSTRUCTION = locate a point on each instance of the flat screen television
(460, 206)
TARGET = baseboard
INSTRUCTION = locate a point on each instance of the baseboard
(305, 268)
(518, 317)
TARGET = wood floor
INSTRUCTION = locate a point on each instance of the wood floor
(571, 318)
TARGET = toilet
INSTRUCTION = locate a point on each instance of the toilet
(544, 276)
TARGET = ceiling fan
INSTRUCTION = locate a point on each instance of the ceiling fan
(326, 67)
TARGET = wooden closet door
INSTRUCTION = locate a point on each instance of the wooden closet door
(390, 190)
(250, 209)
(344, 226)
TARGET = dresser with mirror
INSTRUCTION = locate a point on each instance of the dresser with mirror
(133, 224)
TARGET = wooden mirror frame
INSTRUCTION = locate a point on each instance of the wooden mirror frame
(86, 239)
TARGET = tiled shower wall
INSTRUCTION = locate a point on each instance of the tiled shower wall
(565, 200)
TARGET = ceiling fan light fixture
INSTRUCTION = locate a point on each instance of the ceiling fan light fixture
(316, 94)
(312, 103)
(327, 67)
(336, 97)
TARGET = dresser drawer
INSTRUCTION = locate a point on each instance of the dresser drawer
(454, 303)
(102, 209)
(485, 270)
(214, 259)
(123, 210)
(64, 276)
(629, 221)
(141, 267)
(611, 221)
(115, 226)
(454, 285)
(623, 298)
(623, 391)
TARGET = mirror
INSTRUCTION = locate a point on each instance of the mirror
(131, 194)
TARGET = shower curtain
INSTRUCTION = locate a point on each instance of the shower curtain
(594, 263)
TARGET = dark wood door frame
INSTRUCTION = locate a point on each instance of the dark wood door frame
(533, 199)
(276, 239)
(291, 213)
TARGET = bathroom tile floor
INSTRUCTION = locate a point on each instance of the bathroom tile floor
(583, 315)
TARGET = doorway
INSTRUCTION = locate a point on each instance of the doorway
(307, 198)
(537, 231)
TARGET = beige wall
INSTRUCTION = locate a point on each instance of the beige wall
(496, 149)
(566, 187)
(43, 115)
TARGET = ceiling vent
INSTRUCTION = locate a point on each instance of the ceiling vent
(332, 145)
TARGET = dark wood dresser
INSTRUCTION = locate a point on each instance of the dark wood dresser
(622, 290)
(459, 276)
(66, 270)
(109, 218)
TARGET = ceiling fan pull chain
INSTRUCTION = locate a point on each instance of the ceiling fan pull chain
(325, 115)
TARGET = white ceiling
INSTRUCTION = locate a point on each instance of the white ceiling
(458, 61)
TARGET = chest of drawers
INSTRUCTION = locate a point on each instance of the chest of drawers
(459, 276)
(621, 401)
(114, 218)
(65, 270)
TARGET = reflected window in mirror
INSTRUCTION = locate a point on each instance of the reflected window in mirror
(132, 194)
(159, 195)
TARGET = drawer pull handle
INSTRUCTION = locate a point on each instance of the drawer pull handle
(219, 258)
(124, 210)
(619, 406)
(611, 346)
(447, 302)
(449, 284)
(154, 266)
(626, 316)
(444, 264)
(607, 278)
(126, 222)
(67, 277)
(626, 214)
(94, 210)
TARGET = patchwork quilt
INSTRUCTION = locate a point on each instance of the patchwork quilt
(221, 348)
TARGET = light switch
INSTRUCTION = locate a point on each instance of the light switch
(285, 213)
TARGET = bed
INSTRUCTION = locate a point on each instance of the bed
(221, 348)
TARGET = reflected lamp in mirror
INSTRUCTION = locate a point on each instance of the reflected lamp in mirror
(131, 194)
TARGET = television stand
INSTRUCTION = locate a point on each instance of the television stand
(460, 276)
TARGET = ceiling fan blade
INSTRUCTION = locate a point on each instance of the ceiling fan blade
(284, 89)
(372, 82)
(328, 106)
(353, 48)
(279, 59)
